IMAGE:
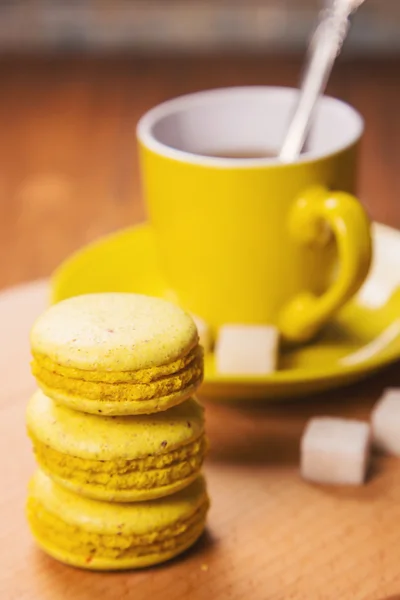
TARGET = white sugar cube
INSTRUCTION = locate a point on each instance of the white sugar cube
(385, 422)
(247, 349)
(204, 332)
(335, 451)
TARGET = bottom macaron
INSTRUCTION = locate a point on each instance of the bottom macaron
(112, 536)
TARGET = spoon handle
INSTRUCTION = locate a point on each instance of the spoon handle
(325, 45)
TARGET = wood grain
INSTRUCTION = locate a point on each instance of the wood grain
(68, 164)
(270, 535)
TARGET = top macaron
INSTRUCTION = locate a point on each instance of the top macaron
(116, 354)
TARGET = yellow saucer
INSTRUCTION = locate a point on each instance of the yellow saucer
(364, 337)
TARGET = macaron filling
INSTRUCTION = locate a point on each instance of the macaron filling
(119, 386)
(124, 479)
(147, 375)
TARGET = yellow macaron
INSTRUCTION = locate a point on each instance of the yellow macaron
(122, 459)
(116, 354)
(109, 536)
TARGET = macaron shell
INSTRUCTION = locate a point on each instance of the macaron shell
(106, 438)
(113, 332)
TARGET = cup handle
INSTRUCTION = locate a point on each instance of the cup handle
(317, 214)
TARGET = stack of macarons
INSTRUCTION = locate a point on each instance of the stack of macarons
(117, 434)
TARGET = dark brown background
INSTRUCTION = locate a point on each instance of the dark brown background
(68, 164)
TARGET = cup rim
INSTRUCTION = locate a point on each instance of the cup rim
(144, 130)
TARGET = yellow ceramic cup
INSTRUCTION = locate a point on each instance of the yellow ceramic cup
(252, 240)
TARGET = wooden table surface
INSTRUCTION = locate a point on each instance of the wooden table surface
(68, 174)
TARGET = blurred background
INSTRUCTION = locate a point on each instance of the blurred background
(186, 25)
(77, 75)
